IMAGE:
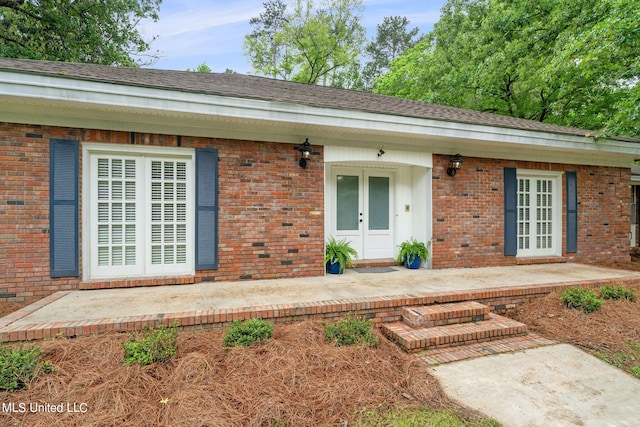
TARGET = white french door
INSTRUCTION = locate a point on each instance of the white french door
(539, 221)
(363, 210)
(140, 215)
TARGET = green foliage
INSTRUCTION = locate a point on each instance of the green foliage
(563, 62)
(309, 44)
(339, 252)
(617, 292)
(154, 345)
(411, 417)
(410, 249)
(19, 366)
(586, 299)
(77, 31)
(202, 68)
(392, 39)
(350, 331)
(247, 332)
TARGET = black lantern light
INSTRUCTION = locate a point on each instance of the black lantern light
(305, 152)
(455, 163)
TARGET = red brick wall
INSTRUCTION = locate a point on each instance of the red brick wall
(271, 211)
(468, 212)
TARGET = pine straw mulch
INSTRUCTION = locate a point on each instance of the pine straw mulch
(607, 332)
(294, 379)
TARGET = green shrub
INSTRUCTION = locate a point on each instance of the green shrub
(617, 292)
(586, 299)
(19, 366)
(154, 345)
(247, 332)
(350, 331)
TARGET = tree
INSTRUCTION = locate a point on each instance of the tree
(266, 46)
(309, 44)
(102, 32)
(202, 68)
(572, 63)
(392, 39)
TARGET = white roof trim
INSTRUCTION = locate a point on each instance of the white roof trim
(151, 108)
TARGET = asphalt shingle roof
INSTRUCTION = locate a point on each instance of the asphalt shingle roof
(267, 89)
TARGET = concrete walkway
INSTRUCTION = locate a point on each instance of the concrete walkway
(556, 385)
(117, 303)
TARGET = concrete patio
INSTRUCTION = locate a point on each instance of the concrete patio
(376, 292)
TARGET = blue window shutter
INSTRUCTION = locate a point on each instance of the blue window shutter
(572, 212)
(206, 209)
(510, 212)
(63, 208)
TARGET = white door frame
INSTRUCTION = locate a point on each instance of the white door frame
(369, 243)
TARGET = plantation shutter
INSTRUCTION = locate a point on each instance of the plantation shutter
(117, 207)
(510, 212)
(63, 208)
(572, 212)
(206, 209)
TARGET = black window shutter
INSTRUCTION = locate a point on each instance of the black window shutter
(63, 208)
(206, 209)
(572, 212)
(510, 212)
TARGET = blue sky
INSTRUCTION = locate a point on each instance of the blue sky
(195, 31)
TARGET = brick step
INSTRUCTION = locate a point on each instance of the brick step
(445, 314)
(413, 340)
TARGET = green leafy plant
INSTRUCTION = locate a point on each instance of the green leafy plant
(586, 299)
(19, 366)
(247, 332)
(350, 331)
(617, 292)
(154, 345)
(410, 249)
(339, 252)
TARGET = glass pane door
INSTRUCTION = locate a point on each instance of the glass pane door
(348, 188)
(378, 203)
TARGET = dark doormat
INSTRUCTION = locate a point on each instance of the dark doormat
(375, 270)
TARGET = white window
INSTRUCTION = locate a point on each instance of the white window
(539, 213)
(139, 212)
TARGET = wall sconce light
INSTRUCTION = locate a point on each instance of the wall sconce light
(305, 153)
(380, 152)
(455, 163)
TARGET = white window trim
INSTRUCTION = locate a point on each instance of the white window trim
(556, 178)
(92, 149)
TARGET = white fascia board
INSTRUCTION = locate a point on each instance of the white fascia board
(159, 102)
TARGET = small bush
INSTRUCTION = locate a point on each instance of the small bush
(19, 366)
(350, 331)
(246, 333)
(155, 345)
(617, 292)
(586, 299)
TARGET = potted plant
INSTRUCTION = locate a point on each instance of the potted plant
(412, 253)
(338, 255)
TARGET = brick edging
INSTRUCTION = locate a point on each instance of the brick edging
(25, 311)
(378, 309)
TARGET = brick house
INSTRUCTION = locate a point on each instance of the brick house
(121, 177)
